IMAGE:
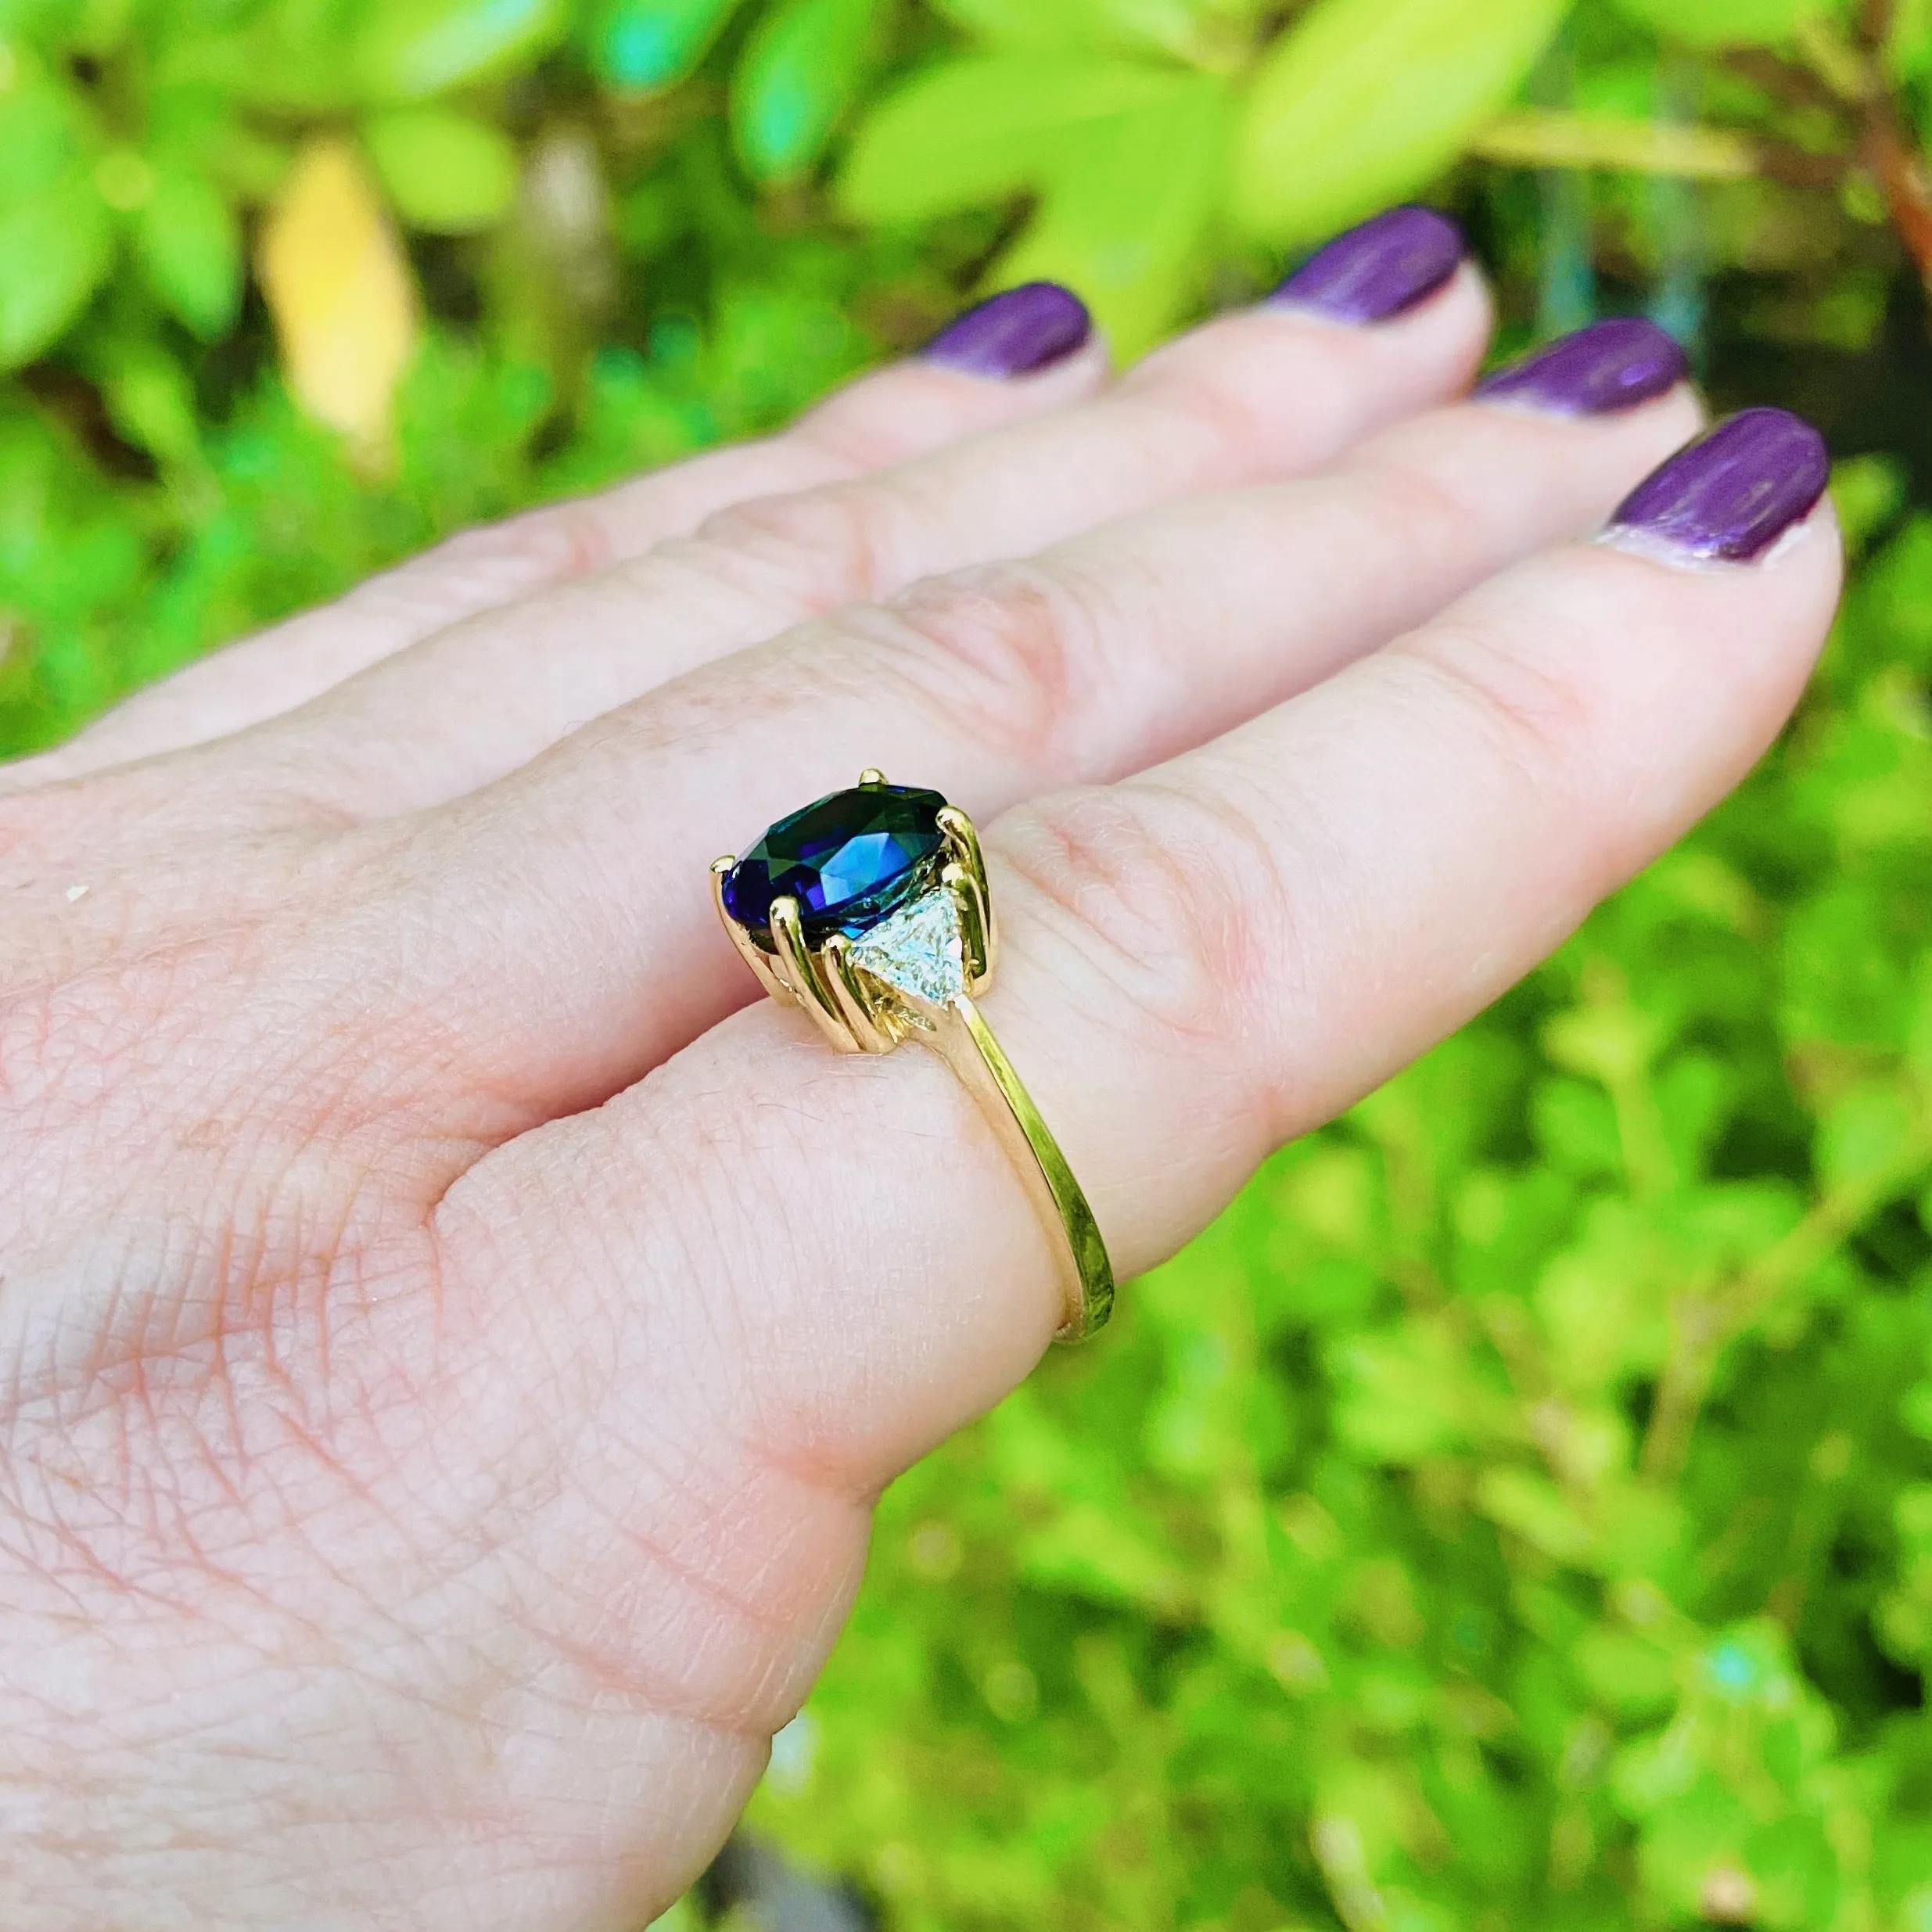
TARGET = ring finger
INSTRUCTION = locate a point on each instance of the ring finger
(1200, 964)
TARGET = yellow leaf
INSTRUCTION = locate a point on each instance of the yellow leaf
(1361, 102)
(1544, 138)
(339, 286)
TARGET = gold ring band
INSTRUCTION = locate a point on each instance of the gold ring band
(887, 933)
(966, 1044)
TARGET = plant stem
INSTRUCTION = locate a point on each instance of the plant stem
(1705, 1324)
(1888, 150)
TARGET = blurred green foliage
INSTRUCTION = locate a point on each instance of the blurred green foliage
(1518, 1510)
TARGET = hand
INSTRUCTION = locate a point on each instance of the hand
(451, 1336)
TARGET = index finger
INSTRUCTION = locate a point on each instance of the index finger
(1037, 339)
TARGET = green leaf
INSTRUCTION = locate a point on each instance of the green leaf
(55, 249)
(1867, 492)
(1630, 1674)
(445, 172)
(1175, 26)
(43, 131)
(190, 244)
(1528, 1502)
(1124, 218)
(44, 22)
(1362, 101)
(1908, 49)
(640, 43)
(974, 131)
(99, 29)
(299, 56)
(1404, 1394)
(1611, 1042)
(1726, 23)
(149, 398)
(412, 49)
(798, 74)
(1869, 1132)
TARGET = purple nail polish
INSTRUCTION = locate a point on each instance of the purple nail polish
(1610, 366)
(1384, 266)
(1016, 332)
(1734, 492)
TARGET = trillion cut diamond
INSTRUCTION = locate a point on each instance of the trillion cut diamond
(920, 949)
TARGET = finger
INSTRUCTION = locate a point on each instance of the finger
(1098, 658)
(1200, 964)
(1021, 354)
(1265, 394)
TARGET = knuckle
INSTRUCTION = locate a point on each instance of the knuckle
(1192, 420)
(1526, 715)
(1404, 495)
(1013, 654)
(849, 433)
(1212, 405)
(565, 540)
(1535, 728)
(816, 548)
(1175, 901)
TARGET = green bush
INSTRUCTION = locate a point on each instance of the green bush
(1518, 1510)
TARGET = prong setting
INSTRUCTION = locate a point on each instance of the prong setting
(748, 949)
(799, 968)
(966, 875)
(902, 915)
(855, 1009)
(851, 996)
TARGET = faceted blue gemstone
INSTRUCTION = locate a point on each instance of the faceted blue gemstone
(849, 859)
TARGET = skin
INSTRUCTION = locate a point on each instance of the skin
(452, 1337)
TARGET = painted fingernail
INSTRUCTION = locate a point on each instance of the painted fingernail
(1733, 493)
(1386, 266)
(1610, 366)
(1016, 332)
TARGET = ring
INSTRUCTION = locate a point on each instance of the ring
(871, 909)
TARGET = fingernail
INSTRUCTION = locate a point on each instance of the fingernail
(1016, 332)
(1610, 366)
(1734, 492)
(1386, 266)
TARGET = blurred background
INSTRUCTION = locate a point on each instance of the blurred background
(1517, 1511)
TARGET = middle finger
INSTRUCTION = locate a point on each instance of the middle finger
(1097, 658)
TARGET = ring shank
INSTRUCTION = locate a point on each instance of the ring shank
(965, 1042)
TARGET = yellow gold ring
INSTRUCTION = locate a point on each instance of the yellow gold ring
(871, 909)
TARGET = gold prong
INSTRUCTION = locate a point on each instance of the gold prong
(849, 997)
(748, 949)
(788, 934)
(871, 778)
(962, 841)
(972, 922)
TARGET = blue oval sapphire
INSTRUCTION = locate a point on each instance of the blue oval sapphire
(849, 859)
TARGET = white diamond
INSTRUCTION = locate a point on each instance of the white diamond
(920, 949)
